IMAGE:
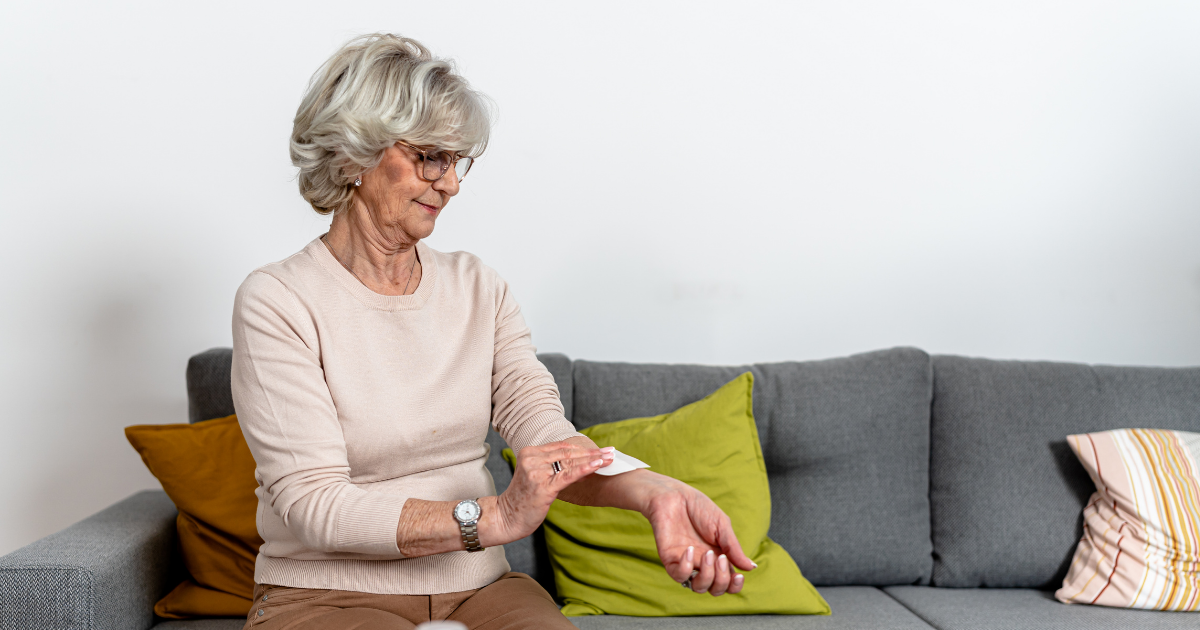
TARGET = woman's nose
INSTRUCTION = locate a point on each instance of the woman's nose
(448, 182)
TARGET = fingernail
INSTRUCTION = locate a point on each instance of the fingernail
(598, 462)
(608, 449)
(754, 564)
(738, 578)
(690, 553)
(708, 558)
(723, 563)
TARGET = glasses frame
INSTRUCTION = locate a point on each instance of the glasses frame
(425, 159)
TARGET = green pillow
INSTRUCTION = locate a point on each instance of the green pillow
(605, 560)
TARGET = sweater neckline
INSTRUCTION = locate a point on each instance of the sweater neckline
(369, 298)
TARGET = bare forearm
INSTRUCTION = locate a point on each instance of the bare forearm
(428, 527)
(629, 491)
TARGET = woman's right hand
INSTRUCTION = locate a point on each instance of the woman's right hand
(535, 484)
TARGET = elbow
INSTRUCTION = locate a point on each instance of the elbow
(312, 532)
(311, 518)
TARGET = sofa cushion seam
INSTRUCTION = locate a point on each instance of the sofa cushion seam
(914, 612)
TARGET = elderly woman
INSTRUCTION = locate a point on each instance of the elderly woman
(367, 368)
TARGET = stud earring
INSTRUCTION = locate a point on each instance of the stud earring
(358, 181)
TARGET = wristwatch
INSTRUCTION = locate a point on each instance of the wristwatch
(467, 514)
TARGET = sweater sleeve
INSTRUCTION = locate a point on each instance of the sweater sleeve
(526, 408)
(291, 425)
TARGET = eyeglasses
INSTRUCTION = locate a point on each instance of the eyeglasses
(435, 163)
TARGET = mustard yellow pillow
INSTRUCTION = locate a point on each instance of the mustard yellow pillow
(208, 471)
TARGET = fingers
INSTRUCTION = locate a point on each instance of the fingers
(722, 578)
(735, 584)
(701, 583)
(683, 569)
(564, 452)
(733, 549)
(717, 576)
(573, 470)
(713, 574)
(574, 462)
(577, 466)
(537, 472)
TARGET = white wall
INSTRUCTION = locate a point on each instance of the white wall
(684, 182)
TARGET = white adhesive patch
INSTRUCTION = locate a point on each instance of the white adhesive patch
(622, 463)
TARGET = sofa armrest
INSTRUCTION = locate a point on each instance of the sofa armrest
(104, 572)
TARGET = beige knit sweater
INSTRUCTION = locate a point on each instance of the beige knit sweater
(352, 402)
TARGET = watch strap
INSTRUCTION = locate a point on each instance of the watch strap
(470, 536)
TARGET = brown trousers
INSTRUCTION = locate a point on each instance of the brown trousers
(513, 602)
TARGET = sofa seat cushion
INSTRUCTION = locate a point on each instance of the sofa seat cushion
(853, 607)
(846, 443)
(1021, 608)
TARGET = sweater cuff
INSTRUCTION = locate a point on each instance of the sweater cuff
(367, 523)
(542, 428)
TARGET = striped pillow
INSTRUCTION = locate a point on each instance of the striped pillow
(1141, 529)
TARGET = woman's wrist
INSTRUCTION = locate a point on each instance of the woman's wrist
(659, 488)
(493, 527)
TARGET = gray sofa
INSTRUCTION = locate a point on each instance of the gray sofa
(913, 491)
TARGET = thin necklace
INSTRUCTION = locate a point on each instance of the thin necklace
(411, 267)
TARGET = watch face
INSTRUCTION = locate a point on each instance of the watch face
(467, 511)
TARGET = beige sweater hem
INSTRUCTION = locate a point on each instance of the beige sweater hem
(428, 575)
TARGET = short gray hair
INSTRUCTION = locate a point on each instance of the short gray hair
(376, 90)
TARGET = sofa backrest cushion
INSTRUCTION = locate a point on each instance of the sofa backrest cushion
(846, 443)
(209, 393)
(1007, 493)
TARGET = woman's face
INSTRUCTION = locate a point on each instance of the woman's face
(402, 206)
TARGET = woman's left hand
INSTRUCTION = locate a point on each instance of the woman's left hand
(694, 535)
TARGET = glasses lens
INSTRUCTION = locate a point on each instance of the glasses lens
(463, 165)
(436, 165)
